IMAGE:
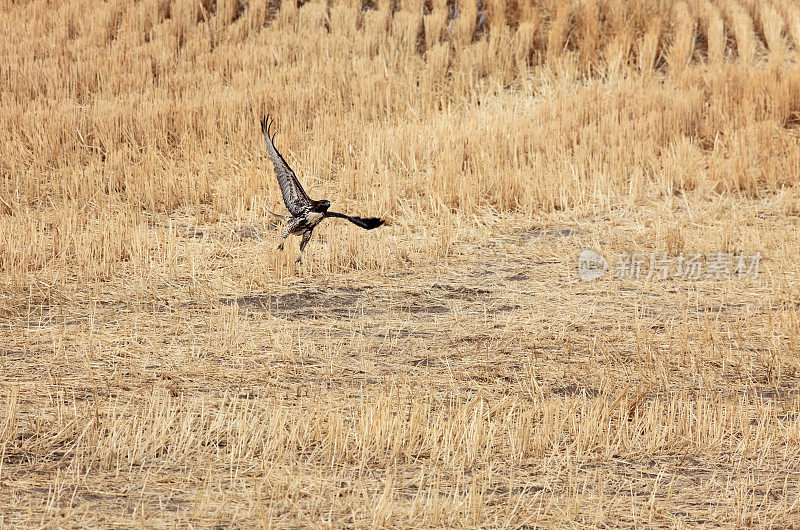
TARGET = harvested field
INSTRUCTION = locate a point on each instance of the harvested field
(162, 364)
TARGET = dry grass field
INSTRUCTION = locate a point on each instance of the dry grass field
(162, 364)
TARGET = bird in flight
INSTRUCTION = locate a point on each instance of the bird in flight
(306, 213)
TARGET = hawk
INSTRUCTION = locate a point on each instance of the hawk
(306, 213)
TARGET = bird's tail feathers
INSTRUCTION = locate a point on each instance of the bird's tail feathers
(279, 216)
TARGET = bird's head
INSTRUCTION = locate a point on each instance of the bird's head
(324, 205)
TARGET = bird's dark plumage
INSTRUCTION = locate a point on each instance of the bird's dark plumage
(367, 223)
(306, 213)
(293, 193)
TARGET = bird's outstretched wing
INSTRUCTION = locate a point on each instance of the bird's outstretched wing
(295, 198)
(364, 222)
